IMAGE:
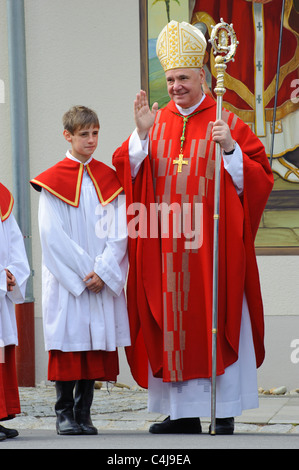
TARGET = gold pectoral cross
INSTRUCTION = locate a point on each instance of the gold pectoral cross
(180, 162)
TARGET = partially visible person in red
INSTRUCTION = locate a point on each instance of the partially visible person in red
(14, 272)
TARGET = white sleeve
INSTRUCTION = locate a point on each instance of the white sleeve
(138, 150)
(3, 282)
(63, 257)
(112, 264)
(17, 261)
(234, 166)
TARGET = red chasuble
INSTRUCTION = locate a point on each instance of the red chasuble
(170, 279)
(6, 202)
(64, 180)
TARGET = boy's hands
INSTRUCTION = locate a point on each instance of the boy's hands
(10, 280)
(93, 282)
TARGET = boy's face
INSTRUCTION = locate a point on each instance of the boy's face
(84, 142)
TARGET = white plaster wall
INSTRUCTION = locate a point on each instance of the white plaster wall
(5, 145)
(279, 277)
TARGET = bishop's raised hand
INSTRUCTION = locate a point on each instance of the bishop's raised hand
(144, 116)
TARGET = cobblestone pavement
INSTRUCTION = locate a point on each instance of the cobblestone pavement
(121, 408)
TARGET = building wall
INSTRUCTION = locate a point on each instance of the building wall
(279, 282)
(88, 53)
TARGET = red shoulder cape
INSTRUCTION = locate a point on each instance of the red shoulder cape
(6, 202)
(64, 179)
(238, 227)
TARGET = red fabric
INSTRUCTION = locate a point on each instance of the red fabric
(239, 12)
(144, 294)
(87, 365)
(171, 323)
(64, 181)
(6, 202)
(9, 393)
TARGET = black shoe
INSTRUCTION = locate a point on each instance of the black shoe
(224, 426)
(65, 423)
(177, 426)
(83, 401)
(2, 436)
(8, 432)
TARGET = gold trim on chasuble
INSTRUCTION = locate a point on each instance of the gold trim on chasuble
(177, 283)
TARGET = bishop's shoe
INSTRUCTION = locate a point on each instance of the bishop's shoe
(177, 426)
(224, 426)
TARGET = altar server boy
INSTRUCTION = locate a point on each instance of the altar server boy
(83, 232)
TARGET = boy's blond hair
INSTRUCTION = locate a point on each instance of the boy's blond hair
(79, 117)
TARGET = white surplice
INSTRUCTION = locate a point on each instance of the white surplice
(12, 257)
(75, 242)
(236, 389)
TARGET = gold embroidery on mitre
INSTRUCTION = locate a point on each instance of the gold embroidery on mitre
(180, 45)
